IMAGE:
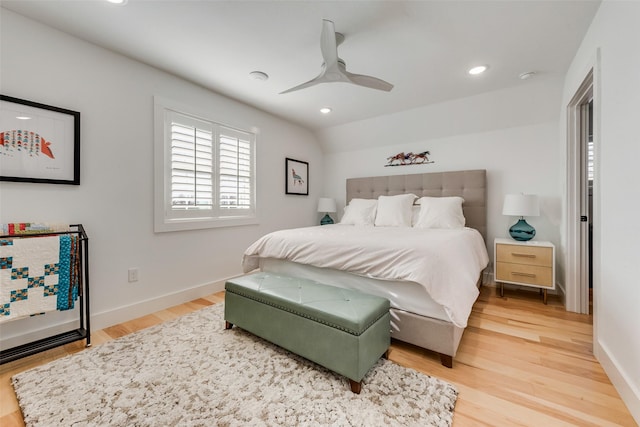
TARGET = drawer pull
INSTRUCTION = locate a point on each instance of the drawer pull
(515, 273)
(523, 255)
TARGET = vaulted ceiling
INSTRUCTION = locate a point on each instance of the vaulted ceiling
(424, 48)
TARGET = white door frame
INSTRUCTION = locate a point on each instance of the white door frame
(577, 286)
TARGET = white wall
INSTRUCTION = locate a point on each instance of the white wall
(526, 102)
(615, 33)
(511, 133)
(115, 199)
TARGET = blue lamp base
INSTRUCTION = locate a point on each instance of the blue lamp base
(326, 219)
(522, 231)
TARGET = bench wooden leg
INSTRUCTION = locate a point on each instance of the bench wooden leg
(446, 360)
(228, 325)
(355, 386)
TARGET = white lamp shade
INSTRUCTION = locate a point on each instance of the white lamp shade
(326, 204)
(521, 205)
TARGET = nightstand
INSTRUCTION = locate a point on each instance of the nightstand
(530, 263)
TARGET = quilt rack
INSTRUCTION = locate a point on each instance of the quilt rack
(83, 331)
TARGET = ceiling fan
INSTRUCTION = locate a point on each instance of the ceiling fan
(334, 69)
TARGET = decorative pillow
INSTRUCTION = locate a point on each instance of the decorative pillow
(394, 211)
(440, 212)
(360, 212)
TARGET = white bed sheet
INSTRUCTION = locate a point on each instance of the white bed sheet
(446, 263)
(406, 296)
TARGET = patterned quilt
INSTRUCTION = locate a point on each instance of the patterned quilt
(37, 275)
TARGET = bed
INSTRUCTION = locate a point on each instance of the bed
(430, 276)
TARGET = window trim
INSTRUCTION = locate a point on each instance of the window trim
(164, 219)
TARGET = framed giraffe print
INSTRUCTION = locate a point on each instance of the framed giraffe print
(38, 143)
(297, 177)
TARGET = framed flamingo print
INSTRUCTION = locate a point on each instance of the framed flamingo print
(297, 173)
(38, 143)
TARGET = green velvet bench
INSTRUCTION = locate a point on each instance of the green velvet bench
(343, 330)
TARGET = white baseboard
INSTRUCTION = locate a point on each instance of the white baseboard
(128, 312)
(628, 392)
(488, 280)
(13, 337)
(119, 315)
(560, 290)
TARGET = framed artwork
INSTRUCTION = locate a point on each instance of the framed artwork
(38, 143)
(297, 173)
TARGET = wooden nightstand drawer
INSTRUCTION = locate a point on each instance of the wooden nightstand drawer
(529, 255)
(525, 263)
(521, 273)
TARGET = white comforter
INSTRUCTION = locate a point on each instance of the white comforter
(447, 263)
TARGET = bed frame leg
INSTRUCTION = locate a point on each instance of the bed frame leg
(446, 360)
(355, 386)
(228, 325)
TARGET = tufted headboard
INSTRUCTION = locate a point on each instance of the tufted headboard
(471, 185)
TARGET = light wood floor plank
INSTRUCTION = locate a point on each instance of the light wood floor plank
(520, 363)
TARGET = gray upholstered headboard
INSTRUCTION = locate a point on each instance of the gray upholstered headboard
(471, 185)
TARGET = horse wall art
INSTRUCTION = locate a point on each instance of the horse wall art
(406, 159)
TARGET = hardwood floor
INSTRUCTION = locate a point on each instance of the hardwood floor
(520, 363)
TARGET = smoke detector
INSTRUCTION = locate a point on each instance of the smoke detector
(528, 75)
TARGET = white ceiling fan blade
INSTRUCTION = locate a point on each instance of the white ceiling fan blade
(368, 81)
(329, 48)
(333, 68)
(317, 80)
(301, 86)
(328, 44)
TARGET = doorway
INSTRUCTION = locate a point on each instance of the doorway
(587, 154)
(580, 196)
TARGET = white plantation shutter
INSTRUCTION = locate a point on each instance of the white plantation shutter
(205, 176)
(191, 163)
(235, 169)
(590, 157)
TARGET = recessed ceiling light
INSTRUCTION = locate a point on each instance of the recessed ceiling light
(478, 70)
(119, 2)
(259, 75)
(23, 117)
(527, 75)
(325, 110)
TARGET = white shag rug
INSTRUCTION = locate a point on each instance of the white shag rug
(192, 372)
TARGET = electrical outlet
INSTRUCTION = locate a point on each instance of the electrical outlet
(134, 274)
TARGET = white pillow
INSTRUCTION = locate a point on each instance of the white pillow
(415, 214)
(394, 211)
(441, 212)
(360, 212)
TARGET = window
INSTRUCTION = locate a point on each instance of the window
(590, 144)
(590, 156)
(204, 172)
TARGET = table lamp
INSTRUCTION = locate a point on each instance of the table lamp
(326, 205)
(521, 205)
